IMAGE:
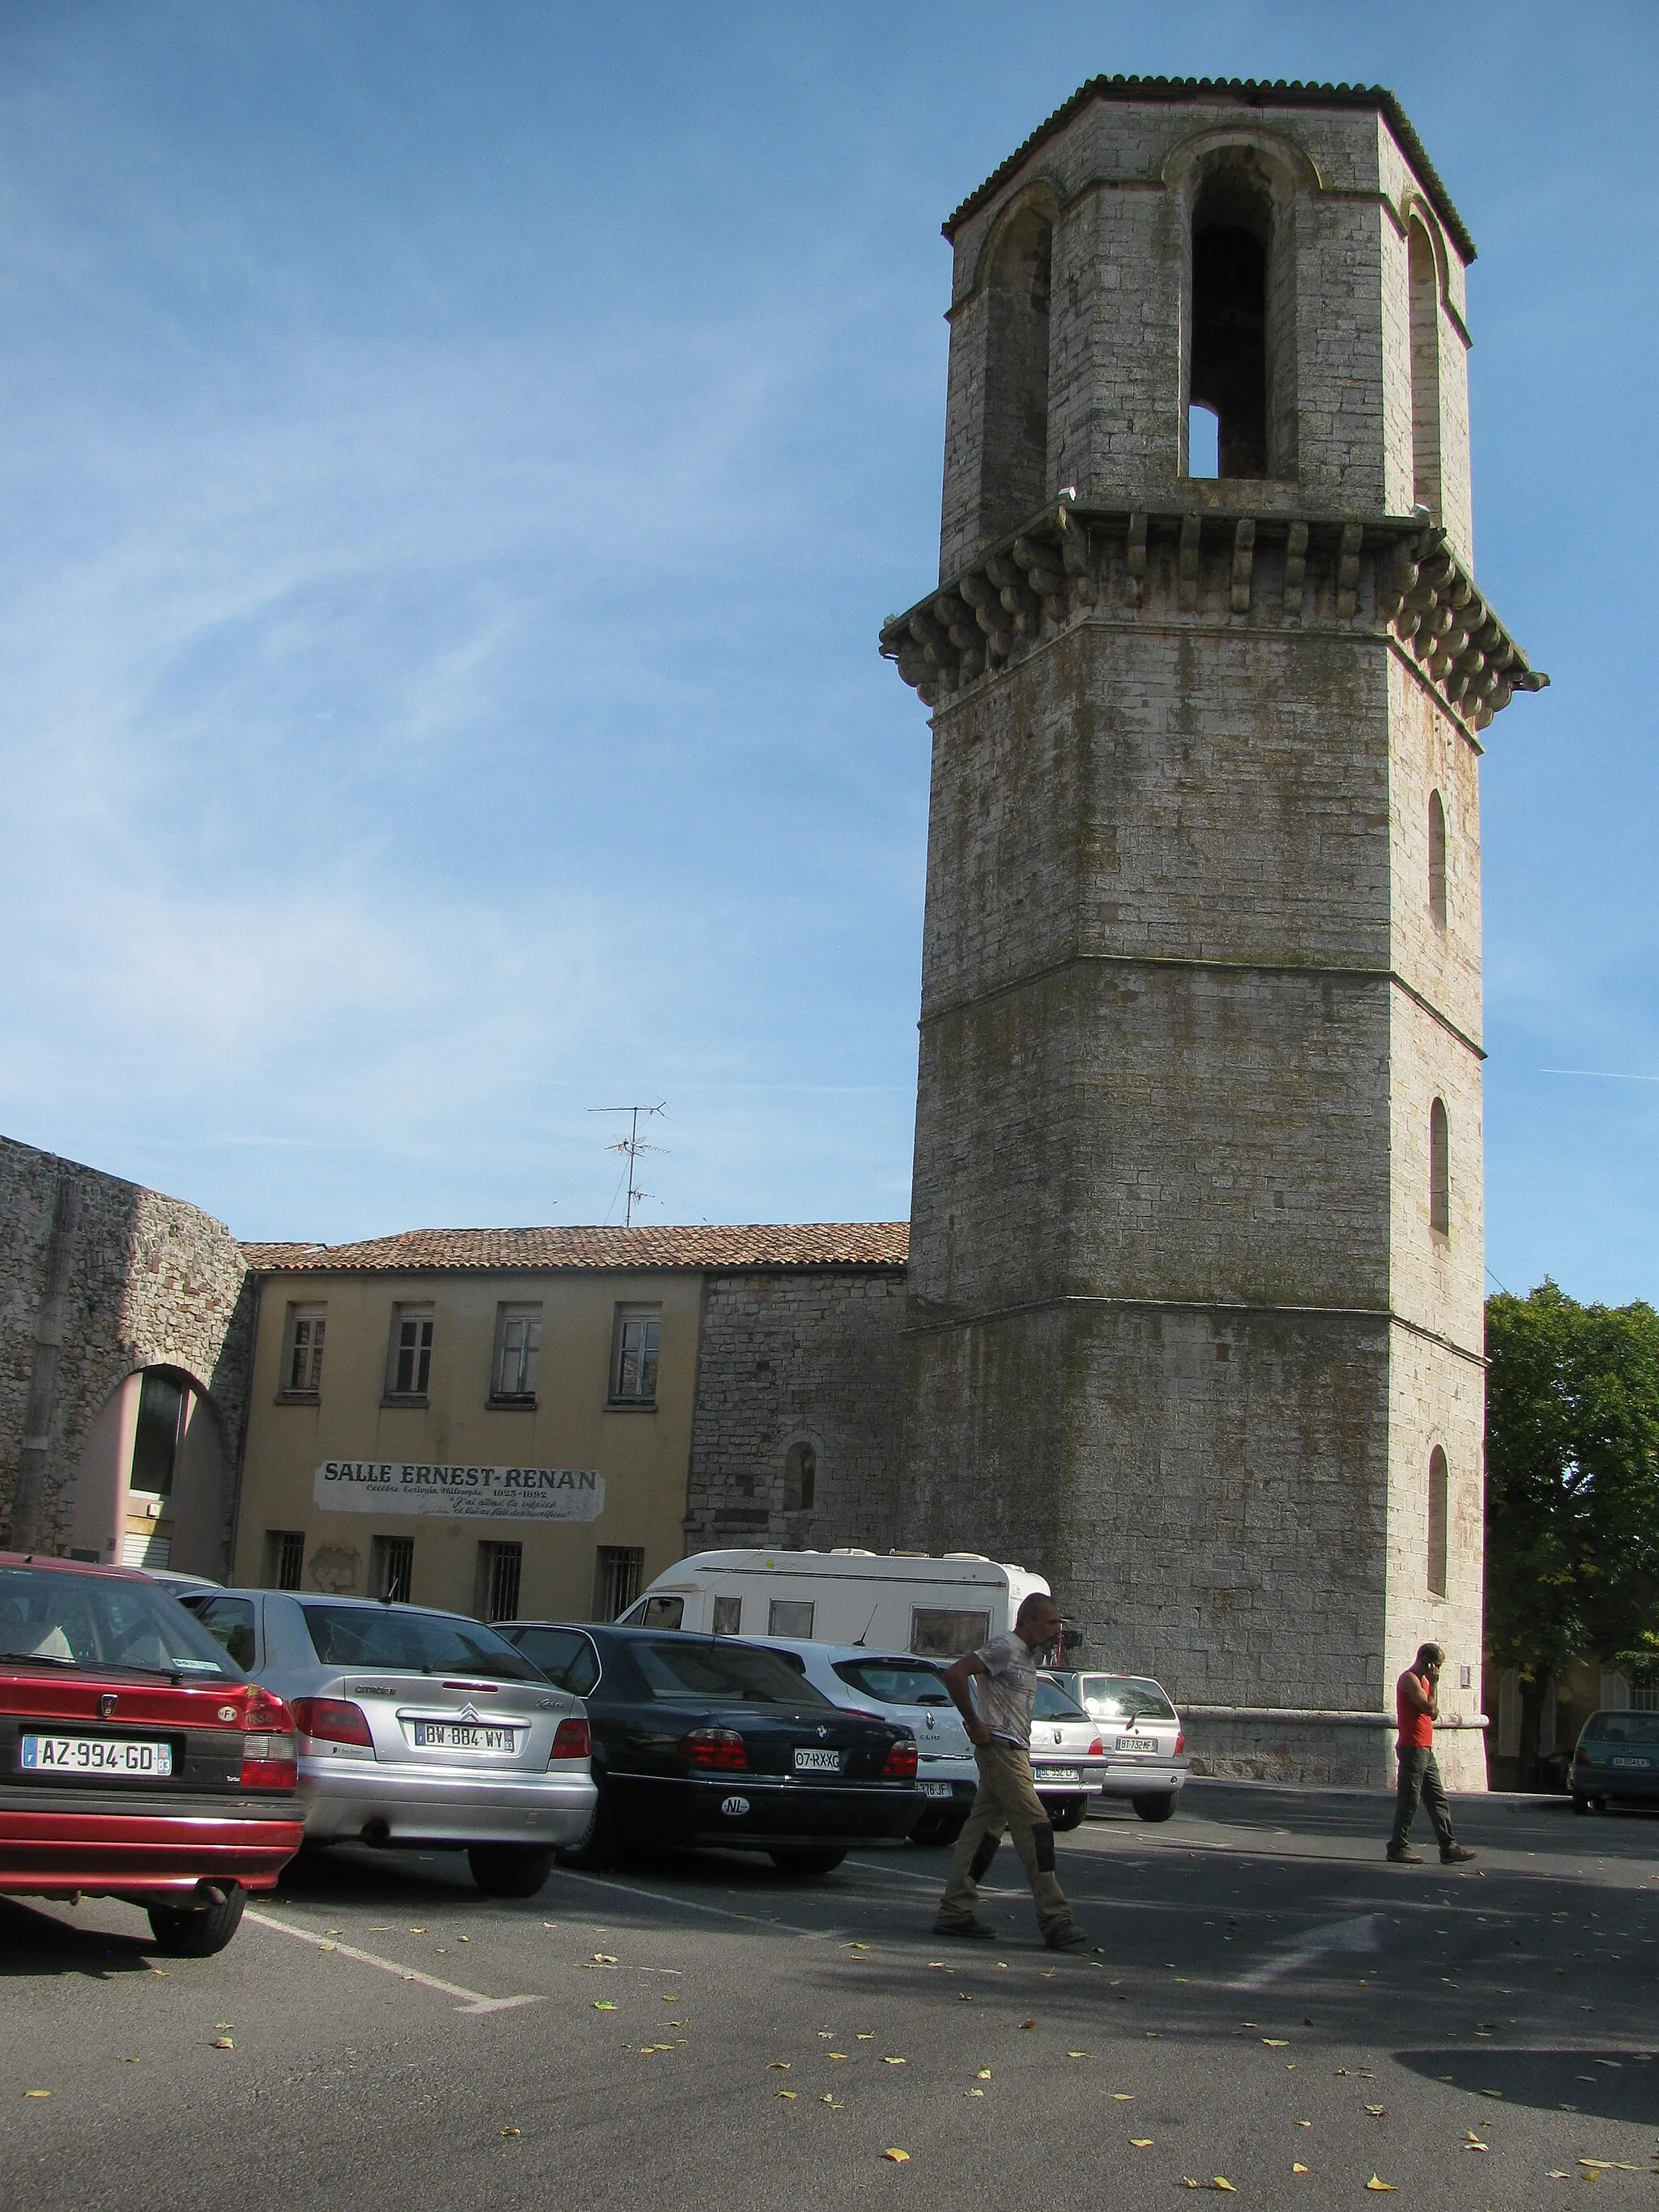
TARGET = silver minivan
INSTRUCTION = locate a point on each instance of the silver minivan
(416, 1727)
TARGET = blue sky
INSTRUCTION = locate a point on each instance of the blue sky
(454, 459)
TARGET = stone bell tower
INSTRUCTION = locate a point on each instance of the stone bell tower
(1195, 1287)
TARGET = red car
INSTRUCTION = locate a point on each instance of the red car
(137, 1760)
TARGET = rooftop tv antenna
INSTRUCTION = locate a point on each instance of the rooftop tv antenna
(631, 1146)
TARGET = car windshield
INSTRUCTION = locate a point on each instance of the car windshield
(1052, 1704)
(1625, 1728)
(1125, 1697)
(721, 1674)
(894, 1682)
(59, 1619)
(415, 1643)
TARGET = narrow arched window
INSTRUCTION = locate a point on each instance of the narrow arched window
(1424, 278)
(1439, 1170)
(1232, 230)
(801, 1478)
(1437, 858)
(1438, 1539)
(1014, 481)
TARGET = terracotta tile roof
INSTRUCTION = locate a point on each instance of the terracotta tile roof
(810, 1244)
(1247, 92)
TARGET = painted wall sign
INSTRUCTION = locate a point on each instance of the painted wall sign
(481, 1493)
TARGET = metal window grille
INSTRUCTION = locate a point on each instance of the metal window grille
(500, 1566)
(1644, 1694)
(391, 1569)
(305, 1361)
(633, 1364)
(518, 1350)
(618, 1571)
(411, 1368)
(285, 1557)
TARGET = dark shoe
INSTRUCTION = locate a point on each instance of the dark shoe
(1455, 1855)
(962, 1928)
(1403, 1855)
(1066, 1937)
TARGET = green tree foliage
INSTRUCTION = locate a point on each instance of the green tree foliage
(1572, 1481)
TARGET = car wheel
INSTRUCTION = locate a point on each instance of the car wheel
(1156, 1807)
(1067, 1813)
(509, 1870)
(196, 1931)
(807, 1862)
(596, 1846)
(1580, 1804)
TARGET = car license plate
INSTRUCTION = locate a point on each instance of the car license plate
(935, 1789)
(1058, 1774)
(817, 1762)
(461, 1736)
(1632, 1762)
(1137, 1743)
(95, 1755)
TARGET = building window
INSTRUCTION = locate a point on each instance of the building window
(1437, 859)
(633, 1355)
(618, 1571)
(1425, 277)
(1232, 230)
(302, 1352)
(1014, 444)
(801, 1478)
(408, 1363)
(500, 1566)
(728, 1616)
(391, 1569)
(155, 1440)
(1439, 1170)
(1437, 1524)
(517, 1348)
(285, 1558)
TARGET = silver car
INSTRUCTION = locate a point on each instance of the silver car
(1067, 1765)
(1141, 1735)
(417, 1727)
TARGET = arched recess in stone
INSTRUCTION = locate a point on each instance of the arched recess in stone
(1239, 192)
(802, 1475)
(1018, 275)
(152, 1484)
(1423, 262)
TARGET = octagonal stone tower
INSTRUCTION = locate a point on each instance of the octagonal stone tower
(1195, 1288)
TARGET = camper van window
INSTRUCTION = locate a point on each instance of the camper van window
(723, 1673)
(728, 1615)
(938, 1634)
(791, 1616)
(661, 1613)
(894, 1682)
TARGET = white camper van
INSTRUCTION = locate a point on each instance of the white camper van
(882, 1601)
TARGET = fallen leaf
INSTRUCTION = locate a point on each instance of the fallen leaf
(1304, 2124)
(892, 2062)
(866, 2035)
(973, 2092)
(1077, 2054)
(782, 2064)
(984, 2074)
(602, 2004)
(826, 2099)
(834, 2054)
(789, 2094)
(898, 2157)
(328, 1947)
(420, 1931)
(1383, 2187)
(936, 1966)
(131, 2061)
(1277, 2042)
(1141, 2142)
(1299, 2169)
(603, 1959)
(1493, 2093)
(1123, 2096)
(1028, 2023)
(37, 2093)
(1558, 2175)
(1378, 2111)
(512, 2131)
(223, 2043)
(1222, 2182)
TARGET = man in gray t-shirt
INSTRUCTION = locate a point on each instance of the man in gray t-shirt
(993, 1690)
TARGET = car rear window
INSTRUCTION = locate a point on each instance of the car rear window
(721, 1674)
(416, 1643)
(1124, 1697)
(565, 1656)
(64, 1620)
(1625, 1728)
(894, 1682)
(1052, 1704)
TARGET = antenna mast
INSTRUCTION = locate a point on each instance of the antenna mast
(631, 1146)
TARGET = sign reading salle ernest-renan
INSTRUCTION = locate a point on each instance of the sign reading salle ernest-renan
(484, 1493)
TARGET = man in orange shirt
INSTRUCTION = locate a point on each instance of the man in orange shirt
(1417, 1703)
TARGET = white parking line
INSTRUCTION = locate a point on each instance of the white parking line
(476, 2002)
(1337, 1936)
(691, 1904)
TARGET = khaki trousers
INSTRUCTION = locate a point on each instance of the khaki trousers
(1006, 1799)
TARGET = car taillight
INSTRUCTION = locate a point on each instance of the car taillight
(712, 1747)
(571, 1740)
(1181, 1741)
(268, 1751)
(1581, 1756)
(899, 1765)
(332, 1720)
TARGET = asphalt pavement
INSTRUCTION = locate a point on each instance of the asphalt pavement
(1271, 2007)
